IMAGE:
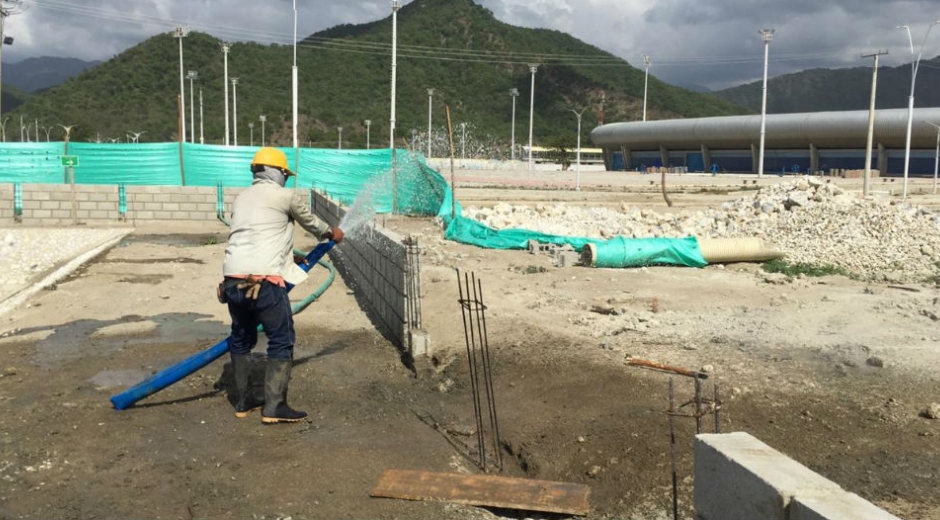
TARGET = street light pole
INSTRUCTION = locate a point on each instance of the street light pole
(235, 111)
(3, 127)
(514, 93)
(936, 160)
(915, 65)
(181, 33)
(578, 154)
(533, 69)
(251, 133)
(646, 83)
(339, 144)
(396, 5)
(191, 75)
(430, 104)
(368, 131)
(767, 35)
(262, 118)
(294, 85)
(225, 49)
(871, 120)
(201, 137)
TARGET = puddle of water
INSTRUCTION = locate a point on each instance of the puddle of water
(91, 337)
(108, 379)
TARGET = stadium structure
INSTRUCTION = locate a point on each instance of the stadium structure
(794, 143)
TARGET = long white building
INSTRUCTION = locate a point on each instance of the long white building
(816, 141)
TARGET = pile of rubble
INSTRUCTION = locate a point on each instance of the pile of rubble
(809, 220)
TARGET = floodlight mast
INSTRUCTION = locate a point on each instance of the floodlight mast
(766, 35)
(871, 121)
(646, 82)
(181, 33)
(915, 65)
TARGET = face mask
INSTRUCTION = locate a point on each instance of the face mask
(272, 174)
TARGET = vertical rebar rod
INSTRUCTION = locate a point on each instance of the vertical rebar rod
(409, 284)
(698, 406)
(717, 411)
(475, 335)
(488, 374)
(468, 335)
(418, 283)
(672, 450)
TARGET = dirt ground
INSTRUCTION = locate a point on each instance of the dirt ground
(831, 371)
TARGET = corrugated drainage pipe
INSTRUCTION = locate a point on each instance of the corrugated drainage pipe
(729, 250)
(689, 252)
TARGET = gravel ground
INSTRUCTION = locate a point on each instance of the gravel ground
(809, 220)
(29, 253)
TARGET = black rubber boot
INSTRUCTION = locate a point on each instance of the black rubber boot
(245, 401)
(276, 379)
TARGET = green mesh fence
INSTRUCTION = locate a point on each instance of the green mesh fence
(411, 187)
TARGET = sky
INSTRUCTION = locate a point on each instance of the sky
(711, 43)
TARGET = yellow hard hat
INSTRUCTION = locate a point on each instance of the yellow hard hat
(272, 157)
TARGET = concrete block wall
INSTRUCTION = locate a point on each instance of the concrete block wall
(738, 477)
(374, 263)
(50, 204)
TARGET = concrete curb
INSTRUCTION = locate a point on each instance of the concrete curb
(14, 301)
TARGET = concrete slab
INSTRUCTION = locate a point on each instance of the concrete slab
(738, 477)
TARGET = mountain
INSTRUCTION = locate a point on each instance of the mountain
(818, 90)
(454, 46)
(13, 97)
(34, 74)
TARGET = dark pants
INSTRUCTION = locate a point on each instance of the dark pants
(271, 310)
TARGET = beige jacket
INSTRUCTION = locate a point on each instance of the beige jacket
(262, 229)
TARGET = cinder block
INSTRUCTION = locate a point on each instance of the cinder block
(141, 215)
(162, 197)
(180, 215)
(39, 213)
(152, 206)
(82, 195)
(62, 213)
(98, 215)
(738, 477)
(140, 197)
(843, 506)
(107, 206)
(567, 258)
(97, 197)
(188, 206)
(171, 206)
(49, 204)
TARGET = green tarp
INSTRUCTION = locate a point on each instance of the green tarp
(342, 174)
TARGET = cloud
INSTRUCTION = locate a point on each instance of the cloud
(714, 43)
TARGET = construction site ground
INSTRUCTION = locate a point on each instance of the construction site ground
(832, 371)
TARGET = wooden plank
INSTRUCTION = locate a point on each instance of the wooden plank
(485, 490)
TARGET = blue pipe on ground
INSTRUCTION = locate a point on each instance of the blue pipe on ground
(170, 375)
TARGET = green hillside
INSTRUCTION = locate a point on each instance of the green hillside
(454, 46)
(12, 98)
(818, 90)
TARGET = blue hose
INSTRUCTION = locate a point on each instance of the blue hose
(172, 374)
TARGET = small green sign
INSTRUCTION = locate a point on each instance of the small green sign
(69, 160)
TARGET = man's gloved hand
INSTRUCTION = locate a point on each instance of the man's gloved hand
(335, 234)
(252, 286)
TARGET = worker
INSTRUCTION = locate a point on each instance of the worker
(260, 245)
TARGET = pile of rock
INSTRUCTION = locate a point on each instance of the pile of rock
(811, 221)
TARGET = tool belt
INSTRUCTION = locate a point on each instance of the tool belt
(251, 285)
